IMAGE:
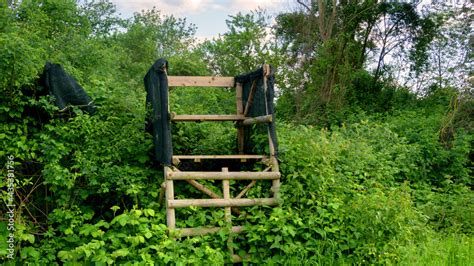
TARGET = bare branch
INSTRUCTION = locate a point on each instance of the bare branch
(304, 5)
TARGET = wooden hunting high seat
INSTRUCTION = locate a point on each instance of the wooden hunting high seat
(173, 173)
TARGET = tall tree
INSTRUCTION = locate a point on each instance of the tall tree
(151, 35)
(449, 61)
(331, 41)
(242, 48)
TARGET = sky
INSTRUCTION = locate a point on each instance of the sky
(208, 15)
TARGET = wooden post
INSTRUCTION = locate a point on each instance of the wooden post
(226, 193)
(240, 111)
(170, 212)
(162, 192)
(227, 210)
(250, 98)
(275, 182)
(273, 160)
(238, 98)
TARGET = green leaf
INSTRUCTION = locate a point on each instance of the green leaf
(149, 212)
(148, 234)
(121, 253)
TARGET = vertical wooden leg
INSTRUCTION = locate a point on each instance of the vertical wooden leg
(170, 213)
(240, 140)
(275, 167)
(240, 111)
(276, 188)
(227, 210)
(226, 193)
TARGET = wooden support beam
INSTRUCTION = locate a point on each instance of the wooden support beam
(175, 161)
(220, 157)
(203, 189)
(161, 196)
(257, 120)
(175, 117)
(250, 98)
(223, 176)
(199, 231)
(209, 192)
(249, 186)
(273, 161)
(206, 190)
(192, 81)
(226, 193)
(170, 212)
(275, 182)
(240, 111)
(238, 98)
(227, 210)
(183, 203)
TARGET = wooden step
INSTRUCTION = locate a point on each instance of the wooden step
(219, 157)
(257, 120)
(223, 175)
(175, 117)
(193, 81)
(199, 231)
(184, 203)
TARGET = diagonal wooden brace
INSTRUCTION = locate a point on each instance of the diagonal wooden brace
(210, 193)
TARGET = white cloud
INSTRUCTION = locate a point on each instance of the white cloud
(183, 7)
(177, 7)
(241, 5)
(208, 15)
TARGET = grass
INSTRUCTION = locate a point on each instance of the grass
(438, 249)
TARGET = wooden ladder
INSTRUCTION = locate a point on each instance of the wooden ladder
(173, 174)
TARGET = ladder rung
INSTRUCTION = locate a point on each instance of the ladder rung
(237, 156)
(199, 231)
(183, 203)
(222, 175)
(196, 81)
(175, 117)
(257, 120)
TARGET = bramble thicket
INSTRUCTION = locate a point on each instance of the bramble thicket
(374, 118)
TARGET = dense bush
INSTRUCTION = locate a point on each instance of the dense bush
(348, 195)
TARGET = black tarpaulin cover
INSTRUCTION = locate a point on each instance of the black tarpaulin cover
(65, 88)
(262, 105)
(158, 120)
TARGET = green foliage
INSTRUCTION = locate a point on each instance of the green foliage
(435, 163)
(347, 199)
(243, 48)
(330, 56)
(385, 183)
(454, 249)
